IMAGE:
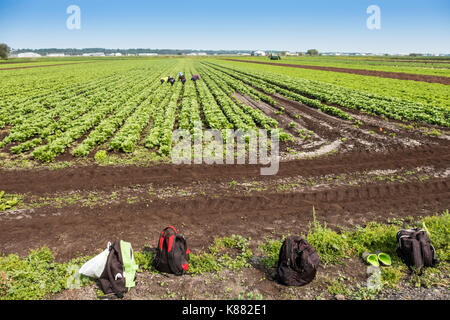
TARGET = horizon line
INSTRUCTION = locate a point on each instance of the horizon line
(217, 50)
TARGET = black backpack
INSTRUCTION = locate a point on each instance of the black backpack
(415, 249)
(297, 262)
(172, 253)
(112, 280)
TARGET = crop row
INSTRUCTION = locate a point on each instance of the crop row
(330, 94)
(271, 88)
(43, 122)
(82, 125)
(123, 108)
(107, 128)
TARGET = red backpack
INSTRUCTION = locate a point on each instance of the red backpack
(172, 253)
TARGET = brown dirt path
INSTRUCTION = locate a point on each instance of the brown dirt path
(373, 73)
(108, 177)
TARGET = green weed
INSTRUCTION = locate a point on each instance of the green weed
(271, 248)
(221, 254)
(36, 276)
(391, 276)
(8, 202)
(331, 246)
(338, 287)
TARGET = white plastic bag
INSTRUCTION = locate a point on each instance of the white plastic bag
(94, 267)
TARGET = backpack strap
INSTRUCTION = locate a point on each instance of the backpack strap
(290, 261)
(173, 236)
(412, 257)
(417, 254)
(302, 248)
(293, 249)
(173, 228)
(435, 259)
(281, 254)
(159, 249)
(428, 252)
(171, 253)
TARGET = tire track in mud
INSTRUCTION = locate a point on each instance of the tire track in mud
(107, 178)
(73, 230)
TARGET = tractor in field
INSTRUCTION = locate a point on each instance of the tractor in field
(274, 57)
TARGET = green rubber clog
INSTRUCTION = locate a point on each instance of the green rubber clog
(383, 258)
(371, 259)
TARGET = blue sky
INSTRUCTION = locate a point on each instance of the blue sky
(293, 25)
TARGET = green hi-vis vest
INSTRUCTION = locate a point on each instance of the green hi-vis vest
(129, 265)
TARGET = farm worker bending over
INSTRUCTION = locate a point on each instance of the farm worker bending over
(181, 77)
(171, 80)
(164, 79)
(195, 77)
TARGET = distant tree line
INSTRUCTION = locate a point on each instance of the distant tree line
(4, 51)
(312, 52)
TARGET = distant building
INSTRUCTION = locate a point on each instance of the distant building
(148, 54)
(118, 54)
(94, 54)
(259, 53)
(201, 54)
(52, 55)
(292, 54)
(28, 55)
